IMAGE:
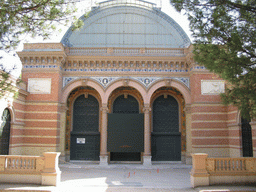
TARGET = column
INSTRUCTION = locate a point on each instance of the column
(253, 129)
(63, 115)
(188, 135)
(103, 136)
(147, 136)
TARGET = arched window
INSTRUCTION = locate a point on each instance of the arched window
(5, 132)
(123, 104)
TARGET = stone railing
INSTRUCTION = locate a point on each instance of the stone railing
(210, 171)
(42, 170)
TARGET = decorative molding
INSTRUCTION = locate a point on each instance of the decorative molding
(146, 81)
(126, 82)
(127, 70)
(168, 82)
(84, 82)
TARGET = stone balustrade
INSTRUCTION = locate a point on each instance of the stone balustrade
(210, 171)
(42, 170)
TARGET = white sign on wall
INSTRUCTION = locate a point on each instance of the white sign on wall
(39, 85)
(80, 140)
(212, 87)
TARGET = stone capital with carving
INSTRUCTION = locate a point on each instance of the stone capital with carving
(146, 109)
(187, 109)
(104, 108)
(63, 107)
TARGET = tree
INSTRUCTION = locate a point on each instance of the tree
(33, 17)
(224, 33)
(30, 17)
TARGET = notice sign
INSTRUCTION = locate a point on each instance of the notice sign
(80, 140)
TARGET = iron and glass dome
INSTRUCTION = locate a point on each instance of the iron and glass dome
(127, 23)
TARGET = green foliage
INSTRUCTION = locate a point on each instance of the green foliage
(224, 34)
(30, 17)
(33, 17)
(8, 85)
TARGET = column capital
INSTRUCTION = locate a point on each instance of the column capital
(104, 108)
(146, 109)
(63, 107)
(187, 109)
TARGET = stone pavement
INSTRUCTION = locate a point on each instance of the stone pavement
(124, 178)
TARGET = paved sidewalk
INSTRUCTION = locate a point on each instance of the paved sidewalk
(124, 178)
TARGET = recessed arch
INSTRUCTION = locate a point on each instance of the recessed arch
(124, 83)
(5, 128)
(80, 83)
(173, 83)
(167, 112)
(82, 92)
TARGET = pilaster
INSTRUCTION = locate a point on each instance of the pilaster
(147, 136)
(188, 134)
(103, 136)
(253, 128)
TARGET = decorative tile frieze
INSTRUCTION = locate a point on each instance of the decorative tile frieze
(184, 80)
(40, 66)
(105, 81)
(146, 81)
(66, 80)
(200, 67)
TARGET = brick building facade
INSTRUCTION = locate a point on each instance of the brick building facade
(124, 87)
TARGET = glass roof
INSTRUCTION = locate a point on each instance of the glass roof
(127, 23)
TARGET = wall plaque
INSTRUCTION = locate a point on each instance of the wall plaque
(212, 87)
(39, 85)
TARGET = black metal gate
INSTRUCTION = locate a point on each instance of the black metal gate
(85, 136)
(5, 132)
(166, 137)
(125, 130)
(246, 138)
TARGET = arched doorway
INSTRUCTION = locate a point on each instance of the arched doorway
(85, 136)
(125, 129)
(166, 134)
(5, 132)
(246, 138)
